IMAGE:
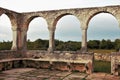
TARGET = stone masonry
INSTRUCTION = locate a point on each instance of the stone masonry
(115, 63)
(51, 59)
(20, 23)
(62, 61)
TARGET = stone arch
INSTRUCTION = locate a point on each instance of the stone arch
(32, 18)
(40, 29)
(58, 17)
(12, 19)
(91, 16)
(12, 22)
(65, 30)
(1, 13)
(67, 24)
(101, 23)
(29, 20)
(5, 28)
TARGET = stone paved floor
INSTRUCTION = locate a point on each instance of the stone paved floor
(45, 74)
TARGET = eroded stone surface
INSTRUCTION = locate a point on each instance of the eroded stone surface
(62, 61)
(115, 63)
(46, 74)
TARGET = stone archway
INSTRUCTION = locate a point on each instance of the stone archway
(103, 22)
(95, 13)
(13, 25)
(52, 16)
(42, 27)
(67, 30)
(5, 25)
(52, 28)
(58, 17)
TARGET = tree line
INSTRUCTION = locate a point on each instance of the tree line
(40, 44)
(104, 44)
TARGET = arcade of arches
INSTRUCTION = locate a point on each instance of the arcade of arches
(20, 23)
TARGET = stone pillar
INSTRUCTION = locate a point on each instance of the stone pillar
(84, 41)
(23, 41)
(15, 39)
(1, 12)
(51, 40)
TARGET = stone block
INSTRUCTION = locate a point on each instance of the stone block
(115, 63)
(8, 65)
(1, 66)
(41, 64)
(63, 66)
(78, 67)
(24, 62)
(17, 63)
(31, 63)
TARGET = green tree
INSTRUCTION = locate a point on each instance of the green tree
(60, 47)
(110, 44)
(5, 45)
(103, 44)
(93, 44)
(117, 44)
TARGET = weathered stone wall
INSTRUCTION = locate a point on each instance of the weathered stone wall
(9, 54)
(115, 63)
(60, 60)
(97, 56)
(65, 61)
(102, 56)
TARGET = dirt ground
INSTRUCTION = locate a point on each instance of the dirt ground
(46, 74)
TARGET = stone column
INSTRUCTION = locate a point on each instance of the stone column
(1, 12)
(84, 41)
(51, 40)
(15, 38)
(23, 39)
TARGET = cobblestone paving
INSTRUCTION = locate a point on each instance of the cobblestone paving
(46, 74)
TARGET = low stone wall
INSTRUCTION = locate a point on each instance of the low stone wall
(102, 56)
(65, 61)
(7, 64)
(97, 56)
(115, 63)
(48, 64)
(9, 54)
(60, 60)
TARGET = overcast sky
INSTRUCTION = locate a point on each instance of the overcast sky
(101, 26)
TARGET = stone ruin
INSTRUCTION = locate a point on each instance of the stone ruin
(81, 61)
(59, 60)
(64, 61)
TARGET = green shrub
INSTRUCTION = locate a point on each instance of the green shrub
(102, 66)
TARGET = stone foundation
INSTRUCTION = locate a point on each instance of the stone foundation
(64, 61)
(9, 54)
(102, 56)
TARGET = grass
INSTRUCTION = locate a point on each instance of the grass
(83, 79)
(102, 66)
(101, 50)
